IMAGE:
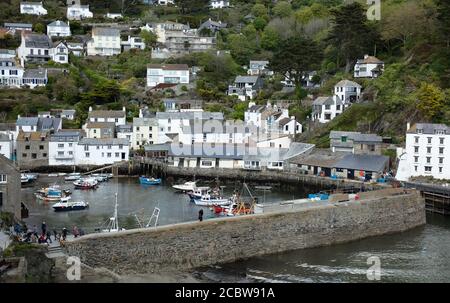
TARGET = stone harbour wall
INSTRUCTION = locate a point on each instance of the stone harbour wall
(188, 245)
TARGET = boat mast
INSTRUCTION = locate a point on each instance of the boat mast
(116, 219)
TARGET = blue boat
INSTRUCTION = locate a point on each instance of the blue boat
(318, 196)
(149, 181)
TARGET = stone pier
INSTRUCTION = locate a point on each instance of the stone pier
(184, 246)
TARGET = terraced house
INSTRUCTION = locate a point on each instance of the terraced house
(32, 149)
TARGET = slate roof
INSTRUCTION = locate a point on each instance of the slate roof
(429, 128)
(356, 136)
(65, 136)
(33, 40)
(100, 125)
(246, 79)
(373, 163)
(16, 25)
(370, 60)
(37, 73)
(106, 114)
(145, 122)
(189, 115)
(346, 83)
(58, 23)
(169, 66)
(103, 141)
(105, 31)
(323, 101)
(48, 123)
(27, 121)
(319, 157)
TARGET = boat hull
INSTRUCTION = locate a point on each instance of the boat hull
(147, 181)
(213, 202)
(69, 207)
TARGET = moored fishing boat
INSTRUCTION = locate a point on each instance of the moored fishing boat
(68, 206)
(53, 194)
(149, 181)
(88, 183)
(208, 200)
(185, 187)
(198, 192)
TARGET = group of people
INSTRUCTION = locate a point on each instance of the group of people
(44, 236)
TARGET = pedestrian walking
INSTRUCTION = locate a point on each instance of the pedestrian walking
(55, 233)
(44, 228)
(49, 237)
(75, 232)
(200, 215)
(64, 234)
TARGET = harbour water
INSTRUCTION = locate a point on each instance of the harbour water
(133, 199)
(419, 255)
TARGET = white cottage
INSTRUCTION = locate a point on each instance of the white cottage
(348, 91)
(79, 12)
(167, 74)
(11, 73)
(369, 67)
(32, 8)
(326, 109)
(58, 29)
(105, 41)
(105, 151)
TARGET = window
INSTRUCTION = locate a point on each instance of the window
(116, 120)
(286, 128)
(428, 169)
(441, 160)
(33, 156)
(117, 155)
(87, 155)
(416, 149)
(24, 155)
(86, 147)
(371, 147)
(428, 150)
(150, 128)
(440, 170)
(415, 168)
(109, 146)
(416, 139)
(60, 153)
(44, 155)
(338, 107)
(70, 144)
(27, 147)
(428, 159)
(70, 152)
(3, 178)
(416, 159)
(108, 155)
(137, 128)
(150, 136)
(327, 106)
(120, 146)
(95, 131)
(429, 140)
(441, 141)
(343, 138)
(98, 146)
(60, 145)
(137, 143)
(272, 144)
(62, 58)
(441, 150)
(206, 163)
(41, 147)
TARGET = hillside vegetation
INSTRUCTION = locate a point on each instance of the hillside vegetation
(412, 38)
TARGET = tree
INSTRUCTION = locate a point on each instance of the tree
(282, 9)
(191, 6)
(270, 39)
(406, 22)
(39, 28)
(259, 10)
(296, 57)
(259, 23)
(431, 100)
(150, 38)
(443, 17)
(241, 49)
(350, 34)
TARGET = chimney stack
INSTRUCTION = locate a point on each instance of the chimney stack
(90, 108)
(408, 126)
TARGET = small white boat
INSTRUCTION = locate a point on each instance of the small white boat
(208, 200)
(53, 175)
(185, 187)
(89, 183)
(72, 177)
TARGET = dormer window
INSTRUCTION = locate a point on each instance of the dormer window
(420, 131)
(343, 138)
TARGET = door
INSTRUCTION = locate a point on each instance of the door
(123, 156)
(315, 170)
(350, 173)
(327, 171)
